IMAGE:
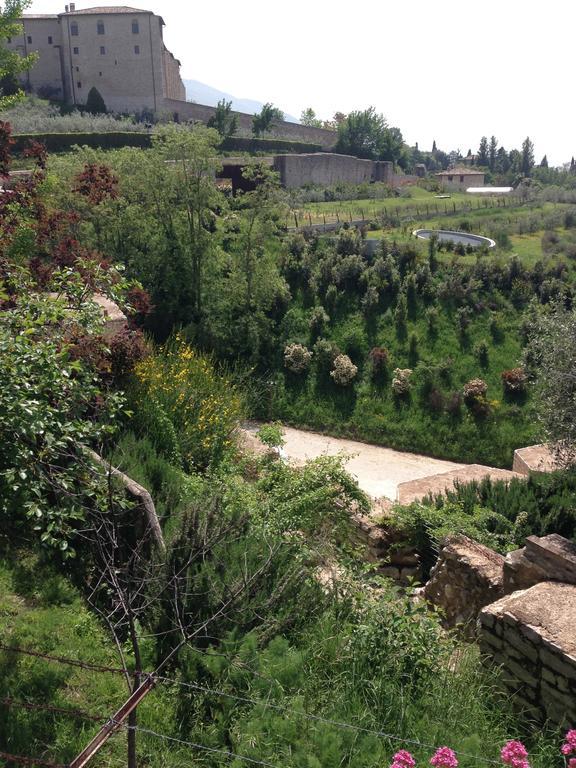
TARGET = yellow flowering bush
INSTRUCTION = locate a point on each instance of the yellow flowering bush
(202, 407)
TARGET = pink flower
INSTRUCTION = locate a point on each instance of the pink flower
(572, 762)
(514, 754)
(403, 759)
(569, 745)
(444, 758)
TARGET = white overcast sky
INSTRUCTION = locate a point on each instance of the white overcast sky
(450, 70)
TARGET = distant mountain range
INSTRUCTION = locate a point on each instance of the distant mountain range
(205, 94)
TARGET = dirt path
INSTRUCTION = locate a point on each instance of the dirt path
(378, 470)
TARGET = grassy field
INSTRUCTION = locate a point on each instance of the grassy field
(419, 203)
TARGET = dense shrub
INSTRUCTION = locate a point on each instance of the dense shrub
(379, 359)
(474, 389)
(401, 381)
(297, 358)
(183, 387)
(514, 381)
(63, 142)
(344, 371)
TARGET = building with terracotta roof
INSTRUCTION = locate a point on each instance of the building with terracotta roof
(117, 49)
(460, 178)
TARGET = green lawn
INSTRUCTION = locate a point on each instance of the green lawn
(420, 203)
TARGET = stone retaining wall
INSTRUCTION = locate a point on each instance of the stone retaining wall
(531, 634)
(467, 576)
(386, 549)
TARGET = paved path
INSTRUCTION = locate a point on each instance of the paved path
(378, 470)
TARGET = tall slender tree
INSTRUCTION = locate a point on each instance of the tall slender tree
(492, 152)
(482, 158)
(544, 162)
(527, 156)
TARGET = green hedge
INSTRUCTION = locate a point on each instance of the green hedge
(63, 142)
(271, 146)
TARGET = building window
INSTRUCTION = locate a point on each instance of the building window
(29, 39)
(76, 51)
(79, 84)
(450, 178)
(74, 29)
(101, 30)
(49, 39)
(136, 49)
(461, 179)
(102, 51)
(135, 28)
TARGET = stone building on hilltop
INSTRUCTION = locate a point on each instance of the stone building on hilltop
(118, 50)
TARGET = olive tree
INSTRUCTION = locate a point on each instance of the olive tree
(550, 358)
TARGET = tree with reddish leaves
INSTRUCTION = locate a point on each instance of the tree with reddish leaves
(97, 183)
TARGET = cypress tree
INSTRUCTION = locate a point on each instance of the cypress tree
(95, 103)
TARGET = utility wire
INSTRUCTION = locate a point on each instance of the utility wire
(318, 718)
(60, 660)
(192, 744)
(9, 702)
(258, 702)
(29, 761)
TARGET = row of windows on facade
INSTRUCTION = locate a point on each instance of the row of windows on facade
(76, 50)
(74, 31)
(100, 28)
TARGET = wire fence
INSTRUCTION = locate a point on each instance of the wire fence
(393, 215)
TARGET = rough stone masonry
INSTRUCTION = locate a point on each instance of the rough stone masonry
(526, 605)
(531, 634)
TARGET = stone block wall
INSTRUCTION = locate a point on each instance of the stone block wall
(467, 576)
(187, 110)
(531, 635)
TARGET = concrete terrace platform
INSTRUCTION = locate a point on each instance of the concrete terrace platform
(534, 458)
(415, 490)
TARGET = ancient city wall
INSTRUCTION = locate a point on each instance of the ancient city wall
(186, 110)
(327, 168)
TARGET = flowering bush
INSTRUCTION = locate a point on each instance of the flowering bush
(514, 381)
(444, 758)
(185, 390)
(297, 358)
(514, 753)
(474, 389)
(401, 381)
(403, 759)
(344, 371)
(569, 747)
(380, 359)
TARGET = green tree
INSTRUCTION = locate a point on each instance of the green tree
(308, 117)
(544, 162)
(95, 103)
(366, 134)
(551, 358)
(502, 161)
(492, 153)
(11, 62)
(263, 121)
(483, 157)
(224, 120)
(527, 162)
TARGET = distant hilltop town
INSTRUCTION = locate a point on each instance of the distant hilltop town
(118, 50)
